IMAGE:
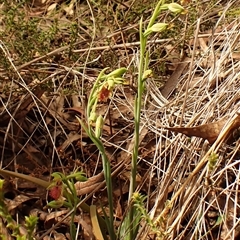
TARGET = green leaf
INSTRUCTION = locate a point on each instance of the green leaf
(125, 228)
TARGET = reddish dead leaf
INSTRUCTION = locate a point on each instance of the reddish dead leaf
(209, 131)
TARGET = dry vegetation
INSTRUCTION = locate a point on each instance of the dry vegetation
(51, 54)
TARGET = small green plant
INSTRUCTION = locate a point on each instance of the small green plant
(28, 37)
(25, 37)
(101, 91)
(63, 191)
(30, 221)
(213, 158)
(143, 73)
(138, 201)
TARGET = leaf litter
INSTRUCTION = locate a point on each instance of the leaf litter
(201, 109)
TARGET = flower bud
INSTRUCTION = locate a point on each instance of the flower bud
(93, 117)
(147, 74)
(57, 175)
(56, 204)
(80, 177)
(111, 83)
(1, 184)
(158, 27)
(175, 8)
(98, 127)
(117, 73)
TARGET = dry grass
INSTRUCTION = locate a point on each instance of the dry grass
(41, 95)
(204, 204)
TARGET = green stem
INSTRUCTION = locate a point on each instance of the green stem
(143, 65)
(137, 114)
(107, 175)
(155, 13)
